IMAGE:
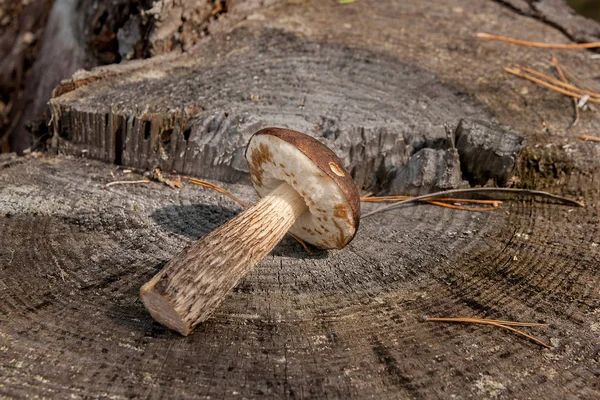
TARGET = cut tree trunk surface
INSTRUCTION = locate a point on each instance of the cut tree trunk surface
(341, 324)
(410, 100)
(384, 81)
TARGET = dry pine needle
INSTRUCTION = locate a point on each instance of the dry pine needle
(569, 46)
(508, 325)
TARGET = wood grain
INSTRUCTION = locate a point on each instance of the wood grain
(339, 324)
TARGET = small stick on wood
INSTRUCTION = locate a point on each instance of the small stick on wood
(527, 192)
(125, 183)
(381, 199)
(568, 74)
(540, 82)
(219, 189)
(591, 45)
(440, 202)
(561, 74)
(482, 320)
(590, 138)
(463, 208)
(500, 324)
(564, 84)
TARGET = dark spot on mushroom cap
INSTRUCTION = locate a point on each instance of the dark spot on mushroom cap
(259, 155)
(341, 211)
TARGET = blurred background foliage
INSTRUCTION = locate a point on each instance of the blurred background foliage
(589, 8)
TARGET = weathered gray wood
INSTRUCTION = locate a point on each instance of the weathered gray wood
(487, 152)
(338, 324)
(387, 88)
(555, 13)
(428, 170)
(218, 123)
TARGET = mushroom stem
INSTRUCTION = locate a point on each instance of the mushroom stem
(187, 290)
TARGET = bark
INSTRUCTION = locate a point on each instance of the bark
(21, 28)
(88, 33)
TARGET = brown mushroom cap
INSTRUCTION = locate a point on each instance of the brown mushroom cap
(278, 155)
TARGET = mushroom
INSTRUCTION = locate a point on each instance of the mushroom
(305, 190)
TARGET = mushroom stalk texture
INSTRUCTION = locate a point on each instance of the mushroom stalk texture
(187, 290)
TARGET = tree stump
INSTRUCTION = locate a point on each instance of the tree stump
(382, 83)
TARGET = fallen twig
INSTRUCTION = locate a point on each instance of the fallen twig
(590, 138)
(501, 324)
(567, 73)
(527, 192)
(481, 321)
(219, 189)
(439, 196)
(381, 199)
(546, 84)
(591, 45)
(125, 183)
(463, 208)
(564, 83)
(560, 70)
(172, 183)
(441, 202)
